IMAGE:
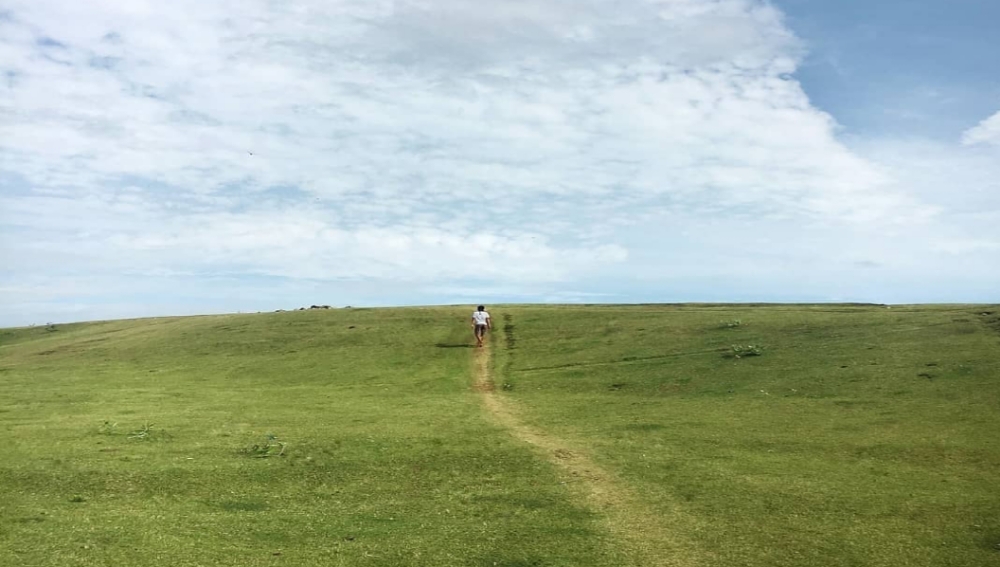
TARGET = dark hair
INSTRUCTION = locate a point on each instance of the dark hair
(480, 308)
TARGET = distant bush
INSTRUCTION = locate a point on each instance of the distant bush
(144, 433)
(108, 428)
(742, 351)
(735, 323)
(270, 447)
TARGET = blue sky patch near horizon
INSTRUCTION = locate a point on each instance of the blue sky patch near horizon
(196, 157)
(897, 67)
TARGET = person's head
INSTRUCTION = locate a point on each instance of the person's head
(480, 308)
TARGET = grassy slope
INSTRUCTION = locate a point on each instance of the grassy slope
(831, 448)
(390, 460)
(863, 435)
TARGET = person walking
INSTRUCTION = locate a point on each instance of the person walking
(480, 323)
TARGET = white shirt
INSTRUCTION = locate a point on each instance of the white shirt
(480, 317)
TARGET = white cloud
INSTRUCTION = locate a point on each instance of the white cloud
(986, 132)
(432, 141)
(430, 101)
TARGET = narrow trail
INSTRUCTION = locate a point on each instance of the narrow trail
(639, 532)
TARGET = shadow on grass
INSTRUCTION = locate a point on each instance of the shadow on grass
(446, 345)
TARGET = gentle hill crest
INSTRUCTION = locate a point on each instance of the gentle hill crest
(601, 435)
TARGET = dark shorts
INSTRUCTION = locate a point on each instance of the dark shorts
(480, 329)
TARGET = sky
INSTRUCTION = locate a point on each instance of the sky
(212, 156)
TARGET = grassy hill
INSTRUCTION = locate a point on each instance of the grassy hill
(581, 436)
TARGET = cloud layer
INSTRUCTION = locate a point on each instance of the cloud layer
(440, 143)
(986, 132)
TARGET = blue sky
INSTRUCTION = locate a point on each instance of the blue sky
(900, 68)
(199, 157)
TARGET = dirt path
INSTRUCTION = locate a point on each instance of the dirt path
(641, 535)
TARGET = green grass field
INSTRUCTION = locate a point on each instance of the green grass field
(582, 436)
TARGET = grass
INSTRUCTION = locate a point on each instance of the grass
(860, 436)
(388, 459)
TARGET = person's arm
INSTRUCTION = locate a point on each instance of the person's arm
(489, 322)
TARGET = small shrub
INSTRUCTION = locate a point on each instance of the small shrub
(144, 433)
(508, 386)
(77, 499)
(735, 323)
(270, 447)
(108, 428)
(742, 351)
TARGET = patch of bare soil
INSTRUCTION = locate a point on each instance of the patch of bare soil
(642, 535)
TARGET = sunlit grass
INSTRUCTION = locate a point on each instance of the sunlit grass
(858, 435)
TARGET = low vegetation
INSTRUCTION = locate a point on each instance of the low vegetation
(860, 436)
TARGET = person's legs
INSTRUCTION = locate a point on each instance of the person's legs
(480, 333)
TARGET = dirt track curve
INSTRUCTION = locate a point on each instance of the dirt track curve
(641, 536)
